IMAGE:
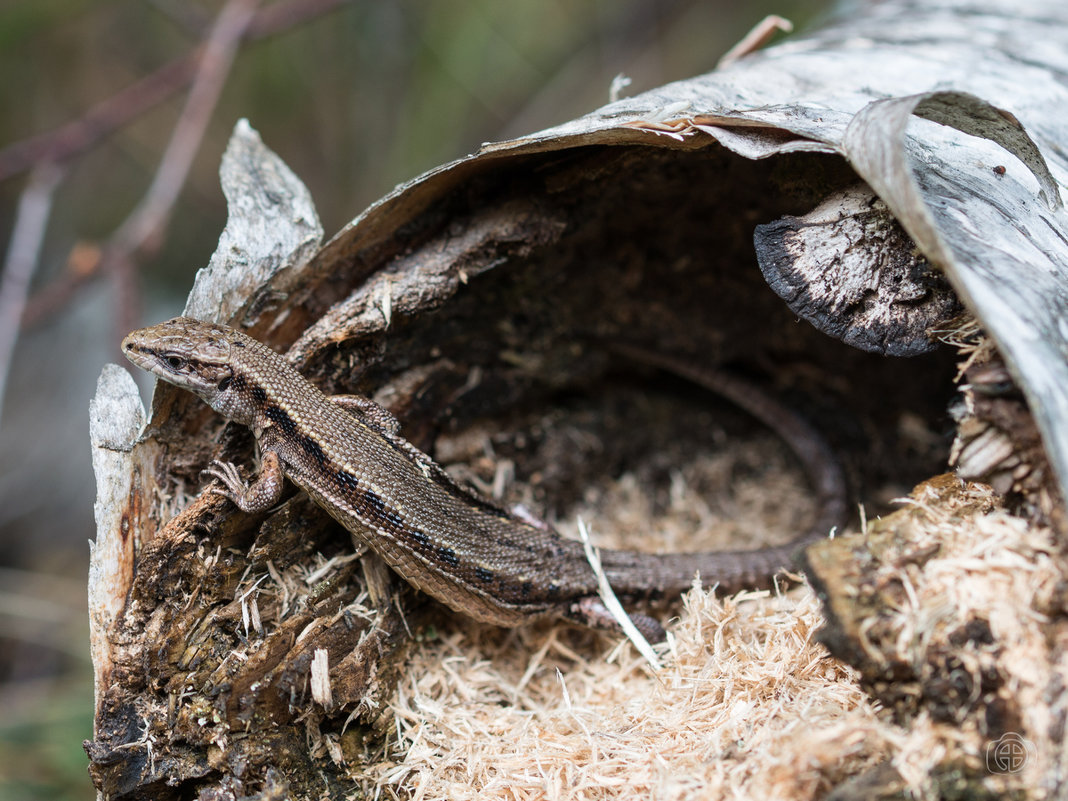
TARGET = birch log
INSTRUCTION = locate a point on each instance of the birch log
(899, 166)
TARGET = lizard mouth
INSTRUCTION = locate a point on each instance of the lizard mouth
(141, 355)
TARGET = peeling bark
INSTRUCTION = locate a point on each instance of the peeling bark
(850, 269)
(476, 302)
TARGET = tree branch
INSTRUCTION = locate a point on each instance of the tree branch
(77, 136)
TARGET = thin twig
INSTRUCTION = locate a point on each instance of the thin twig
(758, 36)
(23, 252)
(83, 263)
(283, 16)
(612, 604)
(147, 220)
(193, 20)
(144, 229)
(103, 119)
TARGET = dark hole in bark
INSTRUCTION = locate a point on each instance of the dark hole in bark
(561, 256)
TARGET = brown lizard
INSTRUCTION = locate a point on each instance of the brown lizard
(462, 550)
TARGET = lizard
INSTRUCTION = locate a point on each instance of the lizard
(478, 559)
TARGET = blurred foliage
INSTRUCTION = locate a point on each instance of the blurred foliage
(356, 101)
(40, 751)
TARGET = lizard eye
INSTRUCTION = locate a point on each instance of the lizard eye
(175, 363)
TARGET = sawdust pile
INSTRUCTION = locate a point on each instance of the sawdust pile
(749, 704)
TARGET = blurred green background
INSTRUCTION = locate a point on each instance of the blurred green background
(355, 100)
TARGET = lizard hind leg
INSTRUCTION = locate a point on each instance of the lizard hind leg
(591, 611)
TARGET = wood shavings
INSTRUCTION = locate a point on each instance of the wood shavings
(320, 678)
(677, 129)
(966, 335)
(748, 704)
(955, 642)
(747, 683)
(385, 301)
(666, 121)
(611, 602)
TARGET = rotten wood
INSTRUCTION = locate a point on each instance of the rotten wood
(476, 303)
(851, 270)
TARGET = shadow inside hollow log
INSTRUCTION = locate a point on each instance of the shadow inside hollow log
(486, 323)
(529, 278)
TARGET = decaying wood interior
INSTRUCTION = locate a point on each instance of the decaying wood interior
(487, 327)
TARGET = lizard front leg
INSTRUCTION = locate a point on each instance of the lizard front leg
(261, 494)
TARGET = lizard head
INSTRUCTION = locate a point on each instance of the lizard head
(187, 353)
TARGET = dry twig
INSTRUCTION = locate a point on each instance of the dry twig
(144, 228)
(31, 222)
(207, 66)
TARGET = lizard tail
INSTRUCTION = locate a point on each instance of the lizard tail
(734, 570)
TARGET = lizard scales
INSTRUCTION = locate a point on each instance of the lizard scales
(467, 553)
